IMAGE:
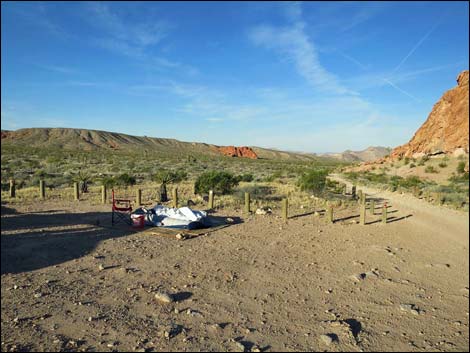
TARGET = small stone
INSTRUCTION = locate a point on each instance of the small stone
(240, 346)
(101, 267)
(163, 297)
(326, 339)
(255, 348)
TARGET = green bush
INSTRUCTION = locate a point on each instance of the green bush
(169, 176)
(219, 182)
(313, 181)
(442, 165)
(246, 177)
(407, 160)
(125, 180)
(430, 169)
(412, 165)
(461, 167)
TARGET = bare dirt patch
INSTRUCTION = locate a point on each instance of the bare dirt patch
(72, 283)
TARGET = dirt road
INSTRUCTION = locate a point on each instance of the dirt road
(70, 282)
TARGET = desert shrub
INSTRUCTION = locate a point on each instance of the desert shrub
(412, 165)
(257, 192)
(169, 176)
(313, 181)
(442, 165)
(245, 177)
(461, 167)
(460, 178)
(107, 181)
(430, 169)
(219, 182)
(125, 180)
(406, 161)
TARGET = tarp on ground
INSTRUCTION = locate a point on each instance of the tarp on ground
(182, 218)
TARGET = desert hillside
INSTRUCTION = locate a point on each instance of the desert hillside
(369, 154)
(446, 128)
(89, 140)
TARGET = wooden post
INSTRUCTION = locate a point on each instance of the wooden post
(103, 193)
(175, 197)
(384, 214)
(284, 209)
(211, 199)
(42, 190)
(359, 195)
(247, 203)
(353, 191)
(372, 207)
(345, 187)
(12, 188)
(329, 213)
(138, 197)
(362, 214)
(76, 194)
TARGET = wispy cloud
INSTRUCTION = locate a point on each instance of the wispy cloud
(131, 39)
(35, 14)
(294, 45)
(60, 69)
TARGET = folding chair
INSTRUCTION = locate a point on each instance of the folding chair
(122, 210)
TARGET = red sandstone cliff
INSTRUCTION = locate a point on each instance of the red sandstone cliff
(233, 151)
(446, 128)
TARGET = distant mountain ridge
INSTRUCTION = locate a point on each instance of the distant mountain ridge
(89, 140)
(369, 154)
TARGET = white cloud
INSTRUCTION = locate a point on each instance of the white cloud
(294, 45)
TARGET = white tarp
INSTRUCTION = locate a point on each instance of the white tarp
(176, 217)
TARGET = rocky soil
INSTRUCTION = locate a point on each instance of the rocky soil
(70, 282)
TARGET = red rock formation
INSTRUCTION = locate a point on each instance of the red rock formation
(446, 128)
(232, 151)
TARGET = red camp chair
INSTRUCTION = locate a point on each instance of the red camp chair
(122, 210)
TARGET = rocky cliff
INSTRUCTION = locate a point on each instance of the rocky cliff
(232, 151)
(446, 128)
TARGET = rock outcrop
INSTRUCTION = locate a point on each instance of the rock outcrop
(232, 151)
(446, 128)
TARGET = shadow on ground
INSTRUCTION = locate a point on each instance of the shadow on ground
(31, 241)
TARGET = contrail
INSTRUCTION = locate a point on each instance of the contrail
(417, 45)
(400, 90)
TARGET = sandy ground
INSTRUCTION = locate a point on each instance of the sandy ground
(72, 283)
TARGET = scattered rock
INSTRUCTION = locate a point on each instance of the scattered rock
(181, 236)
(164, 297)
(329, 338)
(263, 210)
(412, 309)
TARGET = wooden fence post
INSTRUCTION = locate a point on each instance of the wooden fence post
(247, 203)
(329, 213)
(362, 214)
(384, 214)
(211, 199)
(353, 191)
(285, 211)
(12, 188)
(42, 190)
(175, 197)
(372, 207)
(76, 195)
(359, 195)
(138, 197)
(103, 193)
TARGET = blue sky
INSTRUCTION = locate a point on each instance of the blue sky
(313, 77)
